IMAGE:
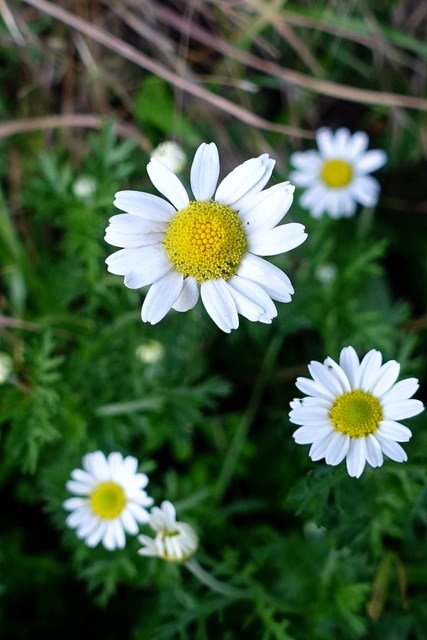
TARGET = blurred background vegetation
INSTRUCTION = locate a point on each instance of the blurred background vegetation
(87, 90)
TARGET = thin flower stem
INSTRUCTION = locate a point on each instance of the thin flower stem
(242, 431)
(216, 585)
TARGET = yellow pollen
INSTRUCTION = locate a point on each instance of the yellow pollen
(356, 413)
(108, 500)
(205, 240)
(336, 173)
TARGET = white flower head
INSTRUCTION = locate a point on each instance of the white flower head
(171, 154)
(209, 245)
(6, 367)
(84, 187)
(150, 352)
(336, 177)
(352, 410)
(110, 499)
(174, 541)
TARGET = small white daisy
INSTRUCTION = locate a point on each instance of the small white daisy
(111, 499)
(335, 177)
(175, 541)
(171, 154)
(208, 244)
(352, 408)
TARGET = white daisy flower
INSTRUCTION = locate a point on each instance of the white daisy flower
(175, 541)
(352, 408)
(210, 244)
(171, 154)
(111, 499)
(335, 177)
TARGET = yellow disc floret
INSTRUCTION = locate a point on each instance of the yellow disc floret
(336, 173)
(107, 500)
(356, 413)
(205, 240)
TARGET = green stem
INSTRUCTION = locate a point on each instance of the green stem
(216, 585)
(242, 431)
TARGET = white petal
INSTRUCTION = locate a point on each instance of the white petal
(128, 223)
(346, 204)
(119, 533)
(167, 183)
(188, 296)
(144, 205)
(371, 161)
(132, 240)
(139, 513)
(267, 208)
(373, 451)
(307, 161)
(96, 464)
(339, 374)
(219, 304)
(320, 446)
(341, 141)
(80, 488)
(365, 190)
(79, 517)
(154, 264)
(97, 534)
(311, 388)
(75, 503)
(337, 449)
(325, 142)
(123, 261)
(325, 378)
(386, 378)
(205, 171)
(244, 306)
(357, 144)
(255, 293)
(161, 297)
(309, 434)
(356, 457)
(115, 462)
(309, 414)
(368, 370)
(277, 240)
(402, 409)
(393, 450)
(394, 431)
(349, 362)
(249, 177)
(109, 538)
(401, 390)
(266, 275)
(129, 469)
(313, 196)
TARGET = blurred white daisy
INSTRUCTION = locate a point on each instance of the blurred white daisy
(6, 367)
(171, 154)
(352, 408)
(210, 244)
(336, 177)
(174, 541)
(110, 499)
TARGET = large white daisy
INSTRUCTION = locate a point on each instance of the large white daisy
(336, 177)
(352, 410)
(174, 541)
(209, 244)
(110, 499)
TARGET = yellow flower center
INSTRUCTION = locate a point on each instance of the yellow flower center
(336, 173)
(356, 413)
(205, 240)
(108, 500)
